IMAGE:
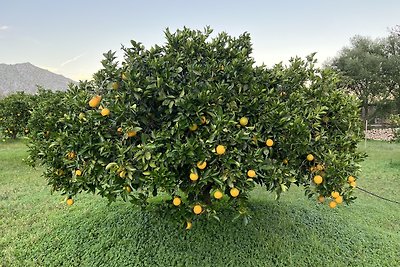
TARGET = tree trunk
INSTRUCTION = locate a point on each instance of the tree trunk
(365, 109)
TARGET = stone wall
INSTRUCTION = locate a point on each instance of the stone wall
(380, 134)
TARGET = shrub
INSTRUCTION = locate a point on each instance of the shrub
(195, 121)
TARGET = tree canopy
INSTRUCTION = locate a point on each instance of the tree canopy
(371, 70)
(197, 124)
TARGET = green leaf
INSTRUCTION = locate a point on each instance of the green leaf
(147, 155)
(112, 166)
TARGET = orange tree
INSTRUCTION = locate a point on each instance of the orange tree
(195, 121)
(44, 124)
(15, 110)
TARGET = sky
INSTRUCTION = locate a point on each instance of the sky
(69, 37)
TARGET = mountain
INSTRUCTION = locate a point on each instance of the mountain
(25, 77)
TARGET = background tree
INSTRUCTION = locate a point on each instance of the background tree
(391, 67)
(49, 108)
(15, 110)
(361, 65)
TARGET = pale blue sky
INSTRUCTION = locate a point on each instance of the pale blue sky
(69, 37)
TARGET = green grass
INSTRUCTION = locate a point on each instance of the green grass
(38, 229)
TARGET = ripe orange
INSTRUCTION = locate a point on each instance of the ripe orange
(269, 142)
(321, 198)
(339, 199)
(115, 85)
(95, 101)
(351, 179)
(70, 201)
(244, 121)
(105, 112)
(353, 184)
(193, 176)
(251, 173)
(285, 161)
(197, 209)
(128, 189)
(318, 179)
(310, 157)
(201, 165)
(193, 127)
(234, 192)
(332, 204)
(218, 194)
(188, 225)
(119, 130)
(78, 172)
(132, 133)
(319, 167)
(335, 194)
(177, 201)
(220, 149)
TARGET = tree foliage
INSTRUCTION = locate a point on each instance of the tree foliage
(45, 122)
(391, 66)
(371, 70)
(15, 110)
(194, 117)
(361, 65)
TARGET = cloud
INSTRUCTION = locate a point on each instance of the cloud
(4, 27)
(71, 60)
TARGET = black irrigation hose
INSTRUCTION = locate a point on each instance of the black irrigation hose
(375, 195)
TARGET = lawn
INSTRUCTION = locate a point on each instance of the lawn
(38, 229)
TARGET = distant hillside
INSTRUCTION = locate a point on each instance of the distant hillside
(25, 77)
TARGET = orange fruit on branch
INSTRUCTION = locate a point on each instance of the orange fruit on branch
(243, 121)
(269, 142)
(251, 173)
(220, 150)
(234, 192)
(332, 204)
(197, 209)
(177, 201)
(95, 101)
(318, 179)
(335, 194)
(218, 194)
(105, 112)
(70, 201)
(201, 165)
(193, 176)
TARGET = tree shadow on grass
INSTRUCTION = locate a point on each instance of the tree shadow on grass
(121, 235)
